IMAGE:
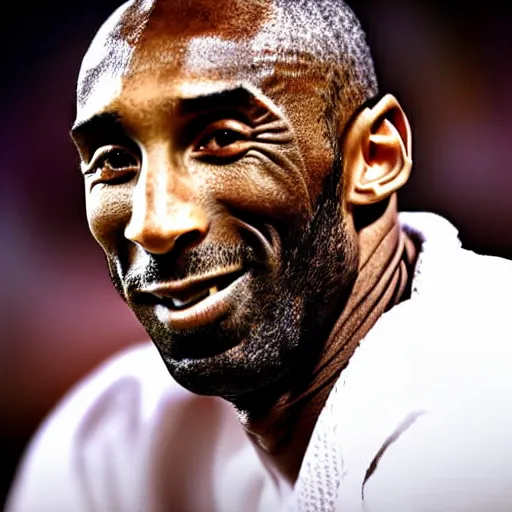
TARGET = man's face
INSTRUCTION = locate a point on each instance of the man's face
(216, 196)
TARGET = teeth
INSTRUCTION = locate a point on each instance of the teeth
(178, 303)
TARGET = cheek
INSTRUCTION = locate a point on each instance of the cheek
(108, 212)
(262, 186)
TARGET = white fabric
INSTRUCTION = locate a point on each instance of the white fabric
(425, 401)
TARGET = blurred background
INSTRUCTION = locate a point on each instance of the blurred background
(449, 63)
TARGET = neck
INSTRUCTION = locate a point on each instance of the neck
(282, 429)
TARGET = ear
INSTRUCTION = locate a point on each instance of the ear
(377, 152)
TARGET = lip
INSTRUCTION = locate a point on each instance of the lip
(203, 312)
(180, 286)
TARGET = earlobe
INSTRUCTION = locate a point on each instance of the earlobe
(377, 153)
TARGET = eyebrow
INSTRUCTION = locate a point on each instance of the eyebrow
(96, 125)
(107, 123)
(237, 97)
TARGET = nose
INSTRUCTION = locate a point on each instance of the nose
(164, 216)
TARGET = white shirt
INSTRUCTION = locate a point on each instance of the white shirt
(420, 420)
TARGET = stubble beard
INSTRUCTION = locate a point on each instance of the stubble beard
(281, 320)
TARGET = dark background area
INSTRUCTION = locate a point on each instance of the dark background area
(449, 63)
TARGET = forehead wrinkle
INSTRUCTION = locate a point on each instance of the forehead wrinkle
(181, 39)
(256, 35)
(174, 24)
(148, 102)
(214, 45)
(275, 59)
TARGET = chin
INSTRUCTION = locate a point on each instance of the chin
(253, 346)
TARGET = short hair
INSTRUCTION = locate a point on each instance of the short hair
(329, 31)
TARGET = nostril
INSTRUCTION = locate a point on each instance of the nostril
(188, 239)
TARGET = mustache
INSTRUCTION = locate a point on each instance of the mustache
(200, 260)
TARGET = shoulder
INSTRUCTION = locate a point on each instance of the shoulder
(129, 438)
(105, 416)
(429, 386)
(131, 382)
(453, 337)
(455, 283)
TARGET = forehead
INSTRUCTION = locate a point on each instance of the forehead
(175, 44)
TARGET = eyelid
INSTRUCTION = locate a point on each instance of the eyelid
(224, 124)
(91, 167)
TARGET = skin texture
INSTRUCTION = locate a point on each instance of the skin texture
(211, 157)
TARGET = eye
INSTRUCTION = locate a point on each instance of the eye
(223, 139)
(220, 139)
(116, 159)
(112, 164)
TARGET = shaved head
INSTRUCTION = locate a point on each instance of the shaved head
(314, 47)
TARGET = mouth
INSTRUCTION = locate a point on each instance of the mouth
(195, 301)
